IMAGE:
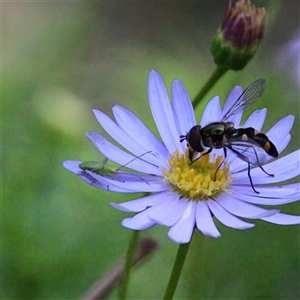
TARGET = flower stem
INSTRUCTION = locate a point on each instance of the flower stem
(128, 264)
(102, 288)
(176, 271)
(215, 76)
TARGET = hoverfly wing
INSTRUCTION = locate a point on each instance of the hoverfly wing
(248, 151)
(250, 95)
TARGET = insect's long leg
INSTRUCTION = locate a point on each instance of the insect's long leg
(88, 177)
(225, 156)
(272, 175)
(258, 163)
(205, 153)
(245, 159)
(133, 160)
(249, 176)
(144, 180)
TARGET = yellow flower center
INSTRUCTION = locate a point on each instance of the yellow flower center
(201, 180)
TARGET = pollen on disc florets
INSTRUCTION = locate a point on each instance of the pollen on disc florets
(199, 180)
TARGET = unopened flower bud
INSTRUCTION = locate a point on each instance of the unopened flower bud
(240, 34)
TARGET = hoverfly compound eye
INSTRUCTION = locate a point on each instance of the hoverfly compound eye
(194, 138)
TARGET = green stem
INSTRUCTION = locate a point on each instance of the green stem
(215, 76)
(128, 264)
(176, 271)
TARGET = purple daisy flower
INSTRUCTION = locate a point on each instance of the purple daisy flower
(183, 195)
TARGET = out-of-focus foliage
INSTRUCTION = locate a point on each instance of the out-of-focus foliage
(60, 60)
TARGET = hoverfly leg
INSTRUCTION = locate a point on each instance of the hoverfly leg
(258, 163)
(251, 182)
(218, 168)
(272, 175)
(245, 159)
(225, 156)
(202, 154)
(191, 155)
(192, 161)
(206, 152)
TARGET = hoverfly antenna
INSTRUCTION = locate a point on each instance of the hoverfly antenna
(182, 138)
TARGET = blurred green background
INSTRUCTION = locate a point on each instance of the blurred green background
(62, 59)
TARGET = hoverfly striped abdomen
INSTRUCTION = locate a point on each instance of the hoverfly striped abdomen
(259, 138)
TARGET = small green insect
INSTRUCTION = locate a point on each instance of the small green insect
(97, 167)
(101, 168)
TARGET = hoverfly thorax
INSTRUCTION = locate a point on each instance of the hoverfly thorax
(214, 134)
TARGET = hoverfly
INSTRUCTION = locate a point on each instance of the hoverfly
(245, 143)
